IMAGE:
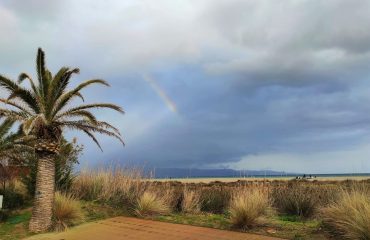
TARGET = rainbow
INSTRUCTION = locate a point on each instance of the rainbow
(161, 93)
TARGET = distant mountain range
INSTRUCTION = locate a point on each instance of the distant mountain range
(195, 172)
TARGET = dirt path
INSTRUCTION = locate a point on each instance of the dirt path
(139, 229)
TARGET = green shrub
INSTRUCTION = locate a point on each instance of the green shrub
(214, 199)
(11, 198)
(4, 214)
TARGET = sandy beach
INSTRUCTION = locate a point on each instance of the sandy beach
(208, 180)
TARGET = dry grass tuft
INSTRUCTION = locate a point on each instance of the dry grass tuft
(247, 206)
(150, 203)
(215, 199)
(67, 211)
(302, 199)
(191, 201)
(349, 216)
(116, 186)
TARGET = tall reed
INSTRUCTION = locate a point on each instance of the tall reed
(349, 215)
(190, 201)
(112, 185)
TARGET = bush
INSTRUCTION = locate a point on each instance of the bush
(119, 187)
(190, 201)
(4, 214)
(246, 206)
(301, 199)
(12, 199)
(151, 203)
(349, 216)
(89, 185)
(67, 211)
(214, 199)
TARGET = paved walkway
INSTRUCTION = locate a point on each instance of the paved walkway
(140, 229)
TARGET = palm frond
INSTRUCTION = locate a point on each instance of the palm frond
(84, 125)
(40, 69)
(17, 91)
(60, 83)
(24, 76)
(66, 97)
(109, 126)
(79, 113)
(14, 104)
(80, 96)
(7, 83)
(13, 115)
(5, 127)
(94, 105)
(12, 145)
(29, 124)
(93, 138)
(43, 108)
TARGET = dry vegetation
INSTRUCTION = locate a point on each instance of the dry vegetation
(302, 199)
(247, 206)
(67, 211)
(349, 214)
(190, 201)
(241, 203)
(292, 209)
(113, 185)
(151, 203)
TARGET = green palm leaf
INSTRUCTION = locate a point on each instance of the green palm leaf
(44, 108)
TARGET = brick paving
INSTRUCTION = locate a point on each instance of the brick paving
(139, 229)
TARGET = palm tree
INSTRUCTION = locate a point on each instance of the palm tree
(12, 149)
(44, 110)
(12, 145)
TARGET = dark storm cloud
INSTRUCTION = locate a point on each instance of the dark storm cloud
(254, 82)
(293, 42)
(218, 124)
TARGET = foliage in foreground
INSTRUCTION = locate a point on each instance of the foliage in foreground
(14, 195)
(15, 226)
(150, 204)
(67, 211)
(246, 206)
(349, 216)
(301, 199)
(215, 199)
(110, 186)
(190, 201)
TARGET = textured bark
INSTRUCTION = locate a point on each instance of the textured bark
(42, 211)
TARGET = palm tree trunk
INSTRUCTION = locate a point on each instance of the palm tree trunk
(42, 211)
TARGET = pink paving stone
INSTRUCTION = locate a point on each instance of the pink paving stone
(139, 229)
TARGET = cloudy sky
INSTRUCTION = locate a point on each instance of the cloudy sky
(253, 84)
